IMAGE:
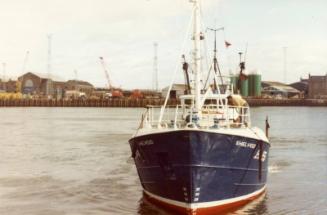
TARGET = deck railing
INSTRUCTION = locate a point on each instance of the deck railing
(211, 117)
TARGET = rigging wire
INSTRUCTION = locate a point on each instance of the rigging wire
(206, 53)
(246, 51)
(176, 68)
(208, 76)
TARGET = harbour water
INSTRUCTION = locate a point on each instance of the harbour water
(77, 161)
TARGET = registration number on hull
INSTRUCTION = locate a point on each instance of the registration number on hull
(245, 144)
(146, 142)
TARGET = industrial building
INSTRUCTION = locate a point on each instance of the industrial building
(9, 86)
(2, 86)
(176, 91)
(278, 90)
(301, 86)
(317, 87)
(36, 84)
(81, 86)
(41, 85)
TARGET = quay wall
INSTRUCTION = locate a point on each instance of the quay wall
(83, 102)
(144, 102)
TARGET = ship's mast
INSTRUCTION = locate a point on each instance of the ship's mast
(196, 53)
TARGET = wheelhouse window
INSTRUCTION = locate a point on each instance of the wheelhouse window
(188, 101)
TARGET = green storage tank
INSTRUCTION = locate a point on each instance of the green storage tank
(245, 87)
(251, 84)
(256, 85)
(234, 81)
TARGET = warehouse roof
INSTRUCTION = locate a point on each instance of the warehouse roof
(176, 87)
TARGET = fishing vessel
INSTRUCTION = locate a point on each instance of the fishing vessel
(201, 156)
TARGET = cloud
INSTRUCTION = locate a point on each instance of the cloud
(124, 31)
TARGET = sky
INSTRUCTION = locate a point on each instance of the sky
(123, 33)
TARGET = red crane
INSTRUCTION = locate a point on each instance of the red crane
(115, 93)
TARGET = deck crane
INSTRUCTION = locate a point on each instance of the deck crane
(114, 92)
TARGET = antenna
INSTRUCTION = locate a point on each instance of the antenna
(242, 63)
(4, 76)
(242, 76)
(285, 64)
(49, 64)
(197, 53)
(155, 67)
(25, 62)
(246, 52)
(215, 30)
(76, 75)
(4, 71)
(49, 54)
(215, 60)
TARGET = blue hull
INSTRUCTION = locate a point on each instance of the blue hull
(191, 166)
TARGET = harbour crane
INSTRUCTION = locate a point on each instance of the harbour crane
(20, 82)
(25, 62)
(113, 92)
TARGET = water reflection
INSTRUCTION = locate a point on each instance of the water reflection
(255, 207)
(148, 208)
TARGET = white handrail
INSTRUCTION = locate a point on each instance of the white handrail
(212, 117)
(175, 120)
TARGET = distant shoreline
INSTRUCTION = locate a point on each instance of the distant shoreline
(126, 102)
(287, 102)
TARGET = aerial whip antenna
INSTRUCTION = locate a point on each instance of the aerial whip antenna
(215, 60)
(25, 62)
(285, 64)
(49, 68)
(155, 68)
(246, 52)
